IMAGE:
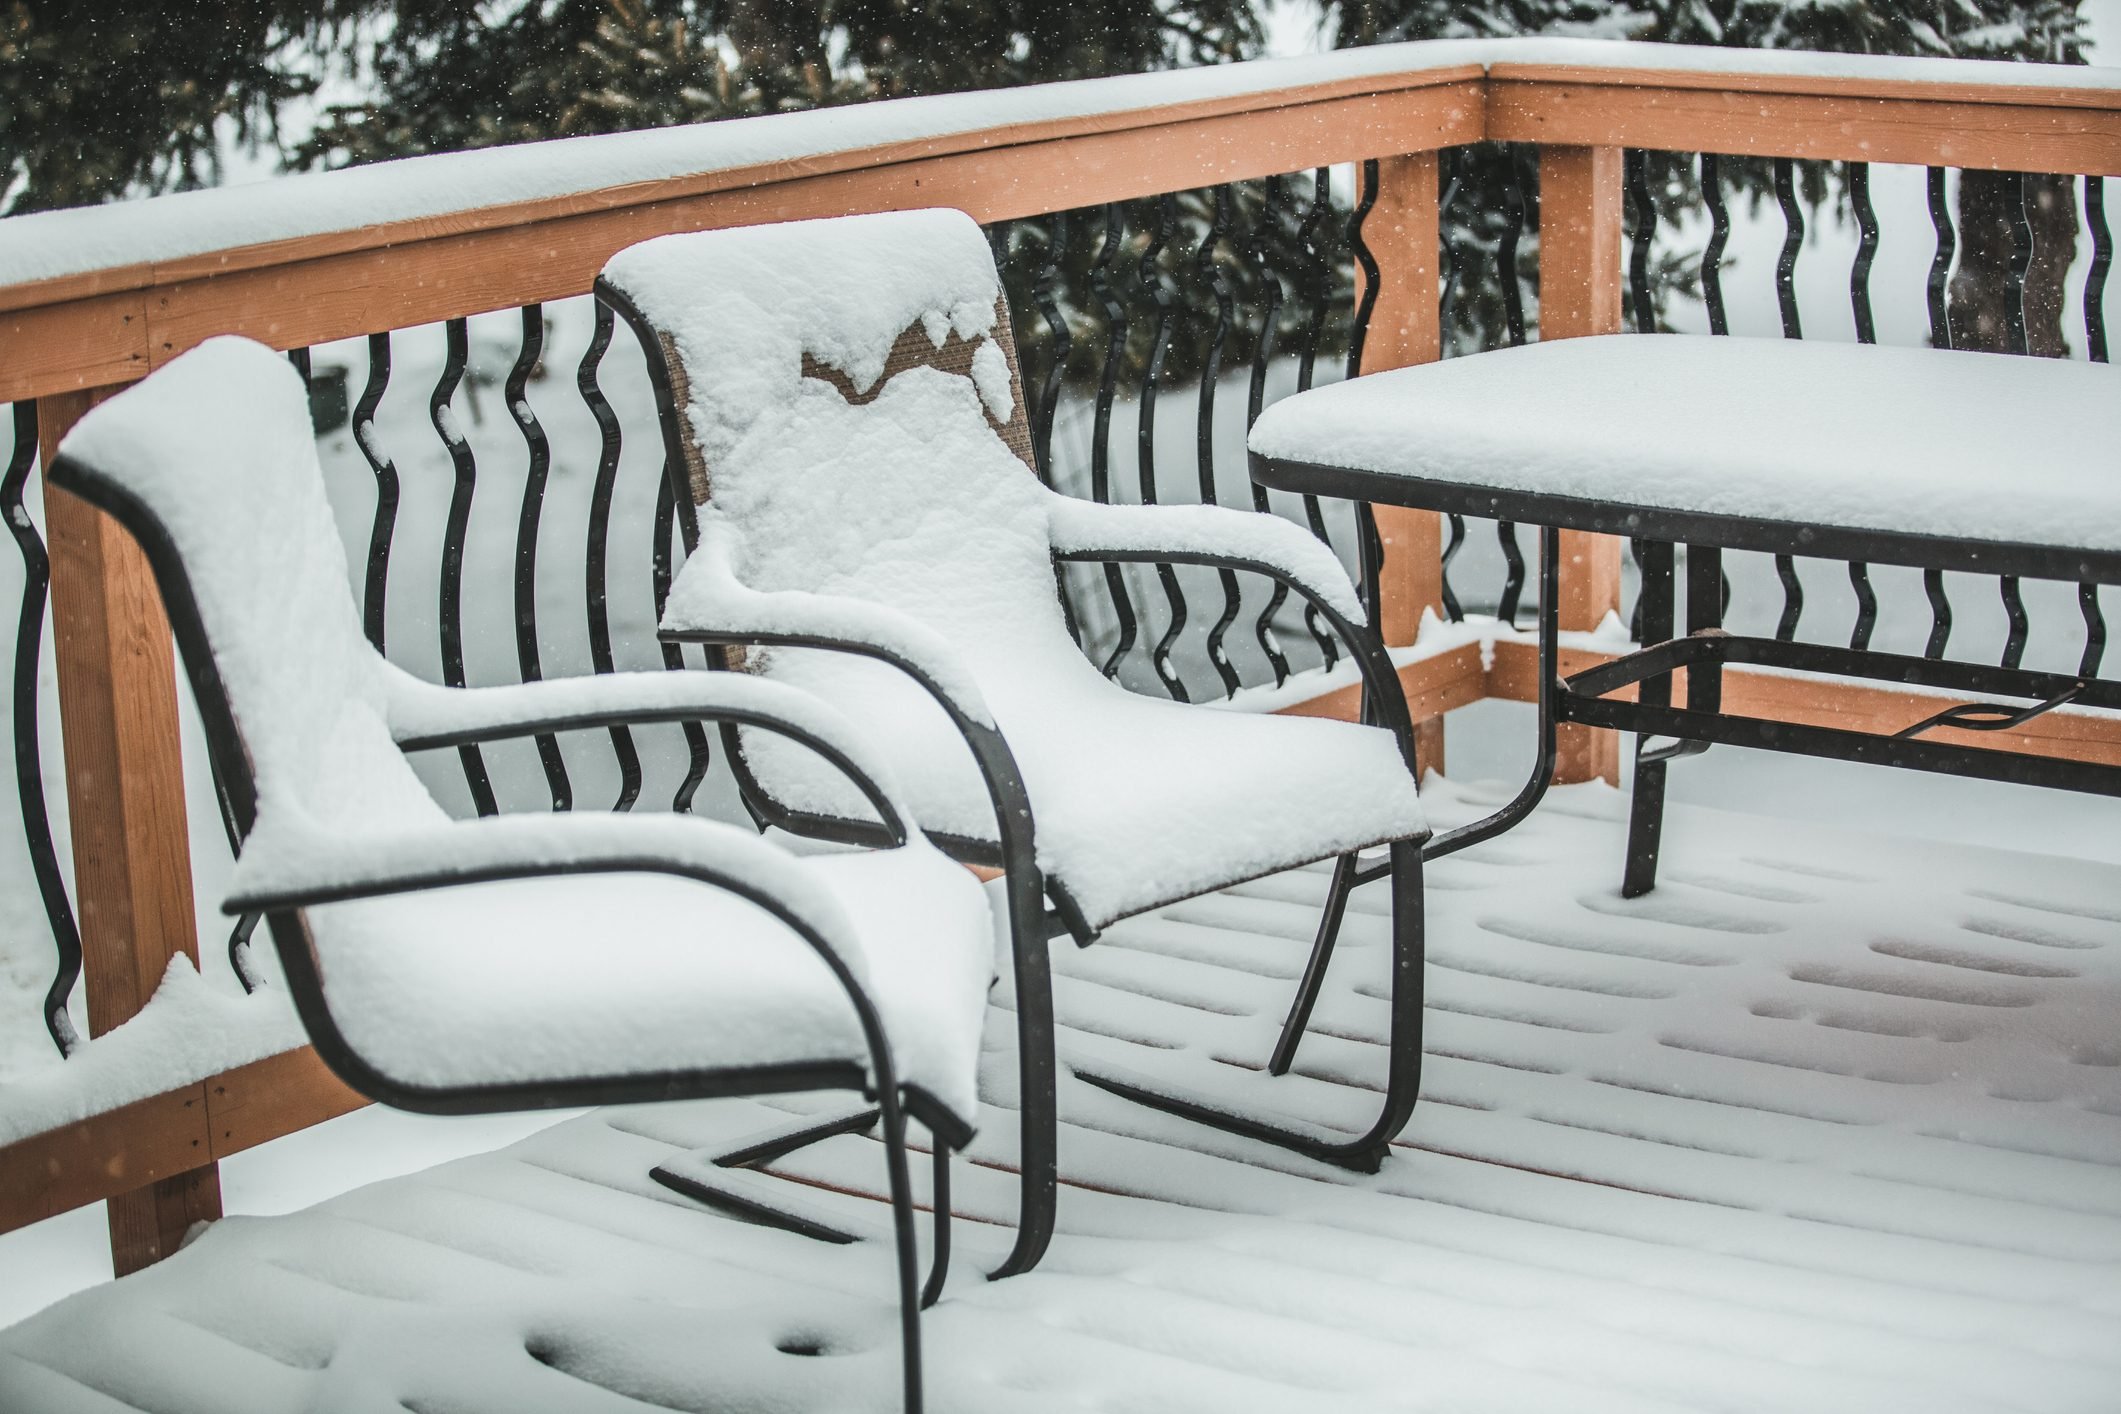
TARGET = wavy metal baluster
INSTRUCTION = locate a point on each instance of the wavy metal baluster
(1719, 237)
(1635, 169)
(1045, 401)
(1941, 263)
(1115, 311)
(517, 391)
(1859, 185)
(29, 761)
(2014, 611)
(660, 568)
(457, 353)
(299, 357)
(384, 524)
(1792, 244)
(1370, 549)
(2095, 348)
(2021, 262)
(1513, 210)
(1160, 297)
(1270, 299)
(1319, 266)
(1209, 269)
(2095, 274)
(597, 588)
(1940, 613)
(1453, 266)
(1792, 328)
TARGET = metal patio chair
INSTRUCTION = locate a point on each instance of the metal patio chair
(451, 967)
(844, 411)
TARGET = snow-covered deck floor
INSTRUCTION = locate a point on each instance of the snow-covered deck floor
(1827, 1122)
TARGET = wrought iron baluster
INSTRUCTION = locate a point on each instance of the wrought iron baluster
(2095, 273)
(1453, 267)
(1045, 395)
(2014, 612)
(29, 761)
(457, 353)
(1160, 298)
(517, 391)
(384, 524)
(1635, 169)
(1859, 184)
(2094, 631)
(1719, 237)
(1209, 269)
(1941, 263)
(597, 585)
(299, 357)
(660, 571)
(1792, 328)
(1792, 245)
(1513, 211)
(1319, 266)
(2095, 348)
(1270, 299)
(1116, 322)
(1940, 613)
(2021, 263)
(1370, 556)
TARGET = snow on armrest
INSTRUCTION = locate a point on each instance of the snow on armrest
(289, 861)
(708, 598)
(1089, 527)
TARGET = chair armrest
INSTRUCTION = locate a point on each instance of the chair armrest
(425, 716)
(293, 865)
(709, 604)
(1210, 535)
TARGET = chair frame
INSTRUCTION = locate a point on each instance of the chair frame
(294, 943)
(1032, 924)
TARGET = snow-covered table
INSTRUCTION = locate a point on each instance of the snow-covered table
(1936, 459)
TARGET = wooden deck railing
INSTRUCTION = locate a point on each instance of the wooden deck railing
(72, 337)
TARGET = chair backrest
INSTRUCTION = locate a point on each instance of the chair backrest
(855, 413)
(212, 465)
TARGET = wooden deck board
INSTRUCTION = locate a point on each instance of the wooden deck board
(1826, 1122)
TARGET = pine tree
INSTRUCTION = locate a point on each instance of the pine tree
(2050, 31)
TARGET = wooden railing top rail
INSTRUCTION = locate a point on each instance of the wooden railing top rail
(102, 295)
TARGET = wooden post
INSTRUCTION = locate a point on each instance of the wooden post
(125, 792)
(1405, 328)
(1579, 294)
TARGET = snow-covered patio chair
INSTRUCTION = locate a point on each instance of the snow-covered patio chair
(842, 400)
(454, 966)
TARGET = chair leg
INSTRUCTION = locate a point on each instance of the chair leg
(939, 1264)
(909, 1279)
(1314, 978)
(1366, 1152)
(1038, 1113)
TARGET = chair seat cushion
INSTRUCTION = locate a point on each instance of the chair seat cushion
(1135, 801)
(530, 980)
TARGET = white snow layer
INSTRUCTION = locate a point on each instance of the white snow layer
(1921, 441)
(434, 989)
(47, 245)
(1827, 1122)
(907, 522)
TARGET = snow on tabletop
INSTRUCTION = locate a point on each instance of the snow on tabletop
(908, 512)
(1920, 441)
(47, 245)
(218, 446)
